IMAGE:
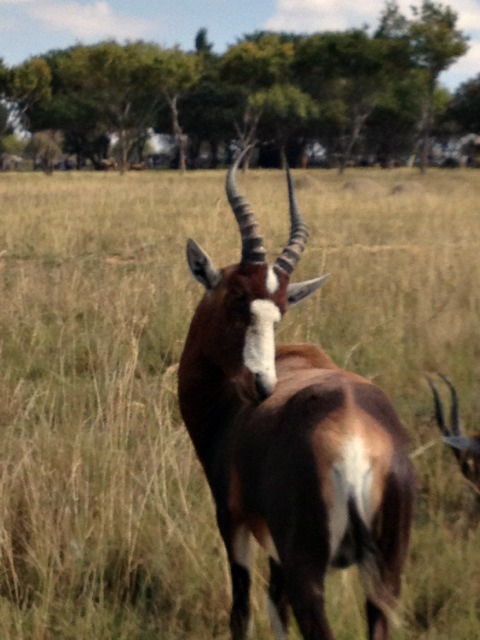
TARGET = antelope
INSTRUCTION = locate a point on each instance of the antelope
(466, 449)
(305, 457)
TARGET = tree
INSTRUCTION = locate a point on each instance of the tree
(285, 108)
(348, 73)
(100, 91)
(465, 106)
(209, 109)
(434, 43)
(4, 79)
(46, 148)
(255, 66)
(73, 109)
(118, 78)
(30, 83)
(202, 45)
(174, 73)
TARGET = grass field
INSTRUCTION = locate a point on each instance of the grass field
(106, 524)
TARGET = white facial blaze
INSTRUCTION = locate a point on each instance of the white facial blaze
(272, 281)
(259, 349)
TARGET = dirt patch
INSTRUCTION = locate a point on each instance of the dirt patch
(409, 188)
(120, 260)
(307, 183)
(364, 186)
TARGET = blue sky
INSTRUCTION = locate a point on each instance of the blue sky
(30, 27)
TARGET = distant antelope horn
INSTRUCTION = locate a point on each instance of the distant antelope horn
(252, 242)
(454, 412)
(439, 415)
(290, 255)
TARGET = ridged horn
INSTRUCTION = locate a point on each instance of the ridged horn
(290, 255)
(253, 251)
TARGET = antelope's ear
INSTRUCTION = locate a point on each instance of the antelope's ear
(298, 291)
(463, 443)
(201, 265)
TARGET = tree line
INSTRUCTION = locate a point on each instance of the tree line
(351, 93)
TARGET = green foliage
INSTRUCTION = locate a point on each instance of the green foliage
(4, 78)
(211, 106)
(202, 45)
(174, 71)
(31, 83)
(285, 101)
(257, 64)
(46, 146)
(435, 41)
(286, 109)
(392, 23)
(13, 144)
(465, 105)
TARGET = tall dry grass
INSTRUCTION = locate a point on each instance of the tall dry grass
(106, 525)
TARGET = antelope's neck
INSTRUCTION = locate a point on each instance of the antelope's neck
(208, 401)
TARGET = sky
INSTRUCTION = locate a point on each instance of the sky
(32, 27)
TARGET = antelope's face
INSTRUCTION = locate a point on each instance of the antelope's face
(255, 298)
(465, 448)
(238, 315)
(244, 303)
(468, 456)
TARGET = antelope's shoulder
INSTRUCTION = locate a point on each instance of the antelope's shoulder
(292, 357)
(311, 384)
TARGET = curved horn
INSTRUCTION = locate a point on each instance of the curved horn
(252, 242)
(439, 416)
(290, 255)
(454, 413)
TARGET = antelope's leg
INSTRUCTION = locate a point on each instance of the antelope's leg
(382, 578)
(305, 588)
(237, 544)
(277, 601)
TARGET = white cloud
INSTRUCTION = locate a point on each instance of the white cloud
(325, 15)
(322, 15)
(95, 20)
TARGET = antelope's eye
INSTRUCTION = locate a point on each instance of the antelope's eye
(237, 302)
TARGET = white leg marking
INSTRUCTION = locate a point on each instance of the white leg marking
(272, 282)
(241, 547)
(259, 348)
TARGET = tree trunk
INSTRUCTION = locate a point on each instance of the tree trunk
(426, 125)
(178, 133)
(213, 154)
(122, 143)
(248, 132)
(358, 123)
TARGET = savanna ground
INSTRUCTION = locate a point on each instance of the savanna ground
(106, 525)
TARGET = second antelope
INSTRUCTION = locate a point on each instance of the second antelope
(309, 459)
(465, 448)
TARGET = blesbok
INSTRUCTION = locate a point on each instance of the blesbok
(465, 448)
(307, 458)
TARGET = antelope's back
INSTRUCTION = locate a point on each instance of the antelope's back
(324, 437)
